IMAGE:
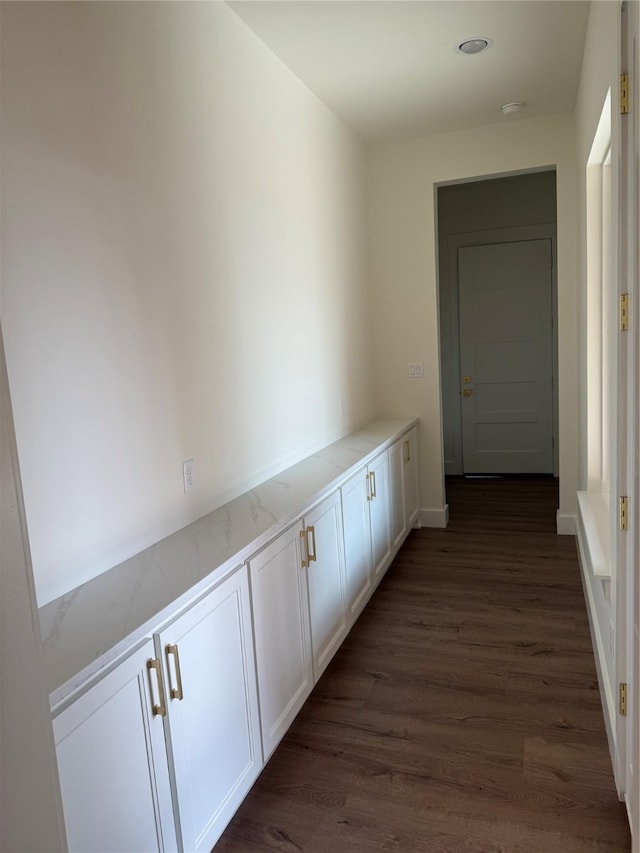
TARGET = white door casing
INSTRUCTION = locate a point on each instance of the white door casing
(628, 434)
(506, 357)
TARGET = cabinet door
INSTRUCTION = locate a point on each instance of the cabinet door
(379, 514)
(281, 625)
(323, 543)
(357, 542)
(411, 494)
(112, 762)
(212, 710)
(396, 489)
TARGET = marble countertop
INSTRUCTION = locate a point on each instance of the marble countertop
(90, 627)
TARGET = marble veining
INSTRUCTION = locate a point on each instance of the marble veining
(88, 629)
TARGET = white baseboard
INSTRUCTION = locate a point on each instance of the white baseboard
(565, 524)
(434, 517)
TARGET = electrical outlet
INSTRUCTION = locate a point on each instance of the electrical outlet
(187, 475)
(415, 370)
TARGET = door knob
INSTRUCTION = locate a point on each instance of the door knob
(466, 392)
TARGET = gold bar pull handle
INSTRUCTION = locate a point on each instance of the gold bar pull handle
(305, 549)
(312, 556)
(374, 493)
(160, 709)
(407, 452)
(369, 495)
(176, 692)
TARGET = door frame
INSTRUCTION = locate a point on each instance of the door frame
(545, 231)
(628, 432)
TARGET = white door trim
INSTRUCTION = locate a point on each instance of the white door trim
(628, 407)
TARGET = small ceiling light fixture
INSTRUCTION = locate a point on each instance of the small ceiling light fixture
(473, 45)
(513, 107)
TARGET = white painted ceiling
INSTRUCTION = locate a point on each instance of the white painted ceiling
(389, 68)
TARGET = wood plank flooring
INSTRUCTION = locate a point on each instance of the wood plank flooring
(462, 713)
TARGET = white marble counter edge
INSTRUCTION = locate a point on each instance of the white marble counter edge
(74, 681)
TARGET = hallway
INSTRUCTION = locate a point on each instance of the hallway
(462, 713)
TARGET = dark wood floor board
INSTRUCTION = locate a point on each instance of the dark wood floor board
(410, 743)
(454, 833)
(475, 652)
(403, 827)
(572, 688)
(481, 792)
(462, 712)
(551, 719)
(463, 801)
(451, 832)
(419, 667)
(586, 765)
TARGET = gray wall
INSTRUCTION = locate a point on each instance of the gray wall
(518, 201)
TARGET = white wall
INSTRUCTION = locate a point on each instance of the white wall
(599, 72)
(182, 271)
(403, 258)
(30, 804)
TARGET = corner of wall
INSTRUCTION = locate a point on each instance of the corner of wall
(434, 517)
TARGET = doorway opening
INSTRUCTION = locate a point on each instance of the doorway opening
(498, 325)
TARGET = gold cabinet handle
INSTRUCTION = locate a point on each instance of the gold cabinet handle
(305, 549)
(160, 709)
(374, 493)
(312, 556)
(407, 452)
(369, 495)
(176, 692)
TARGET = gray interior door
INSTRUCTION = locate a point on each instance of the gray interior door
(506, 357)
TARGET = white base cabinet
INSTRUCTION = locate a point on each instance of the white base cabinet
(324, 556)
(212, 710)
(410, 480)
(112, 763)
(397, 493)
(357, 542)
(281, 626)
(405, 504)
(366, 524)
(158, 753)
(379, 518)
(116, 758)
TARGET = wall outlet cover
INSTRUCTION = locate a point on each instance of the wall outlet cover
(187, 475)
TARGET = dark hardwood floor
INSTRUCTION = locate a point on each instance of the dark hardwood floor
(462, 713)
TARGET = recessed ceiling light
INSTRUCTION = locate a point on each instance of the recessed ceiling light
(513, 107)
(473, 45)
